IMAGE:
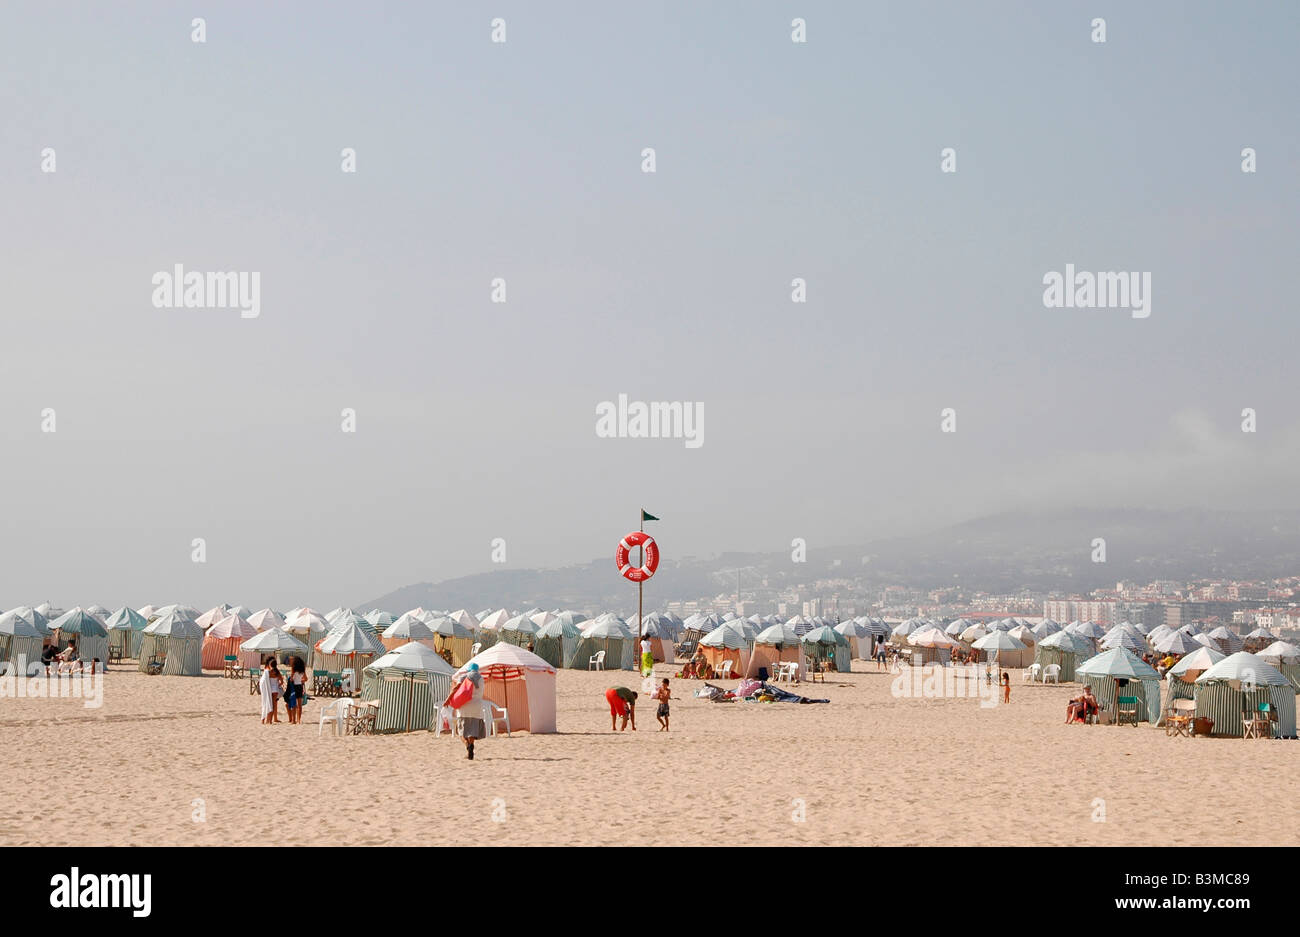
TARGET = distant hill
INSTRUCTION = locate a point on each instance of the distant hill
(1000, 553)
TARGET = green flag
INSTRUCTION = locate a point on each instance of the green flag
(646, 516)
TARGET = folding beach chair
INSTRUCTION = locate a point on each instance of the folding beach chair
(1126, 710)
(254, 675)
(1178, 718)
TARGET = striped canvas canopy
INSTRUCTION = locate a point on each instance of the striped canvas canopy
(1118, 662)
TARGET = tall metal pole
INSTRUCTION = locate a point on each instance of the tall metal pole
(640, 594)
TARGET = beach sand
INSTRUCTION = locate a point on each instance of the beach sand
(867, 769)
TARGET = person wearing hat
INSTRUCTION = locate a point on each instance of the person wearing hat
(470, 727)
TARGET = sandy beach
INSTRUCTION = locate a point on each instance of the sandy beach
(866, 769)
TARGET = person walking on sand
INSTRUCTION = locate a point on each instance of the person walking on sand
(622, 702)
(647, 657)
(1006, 687)
(469, 717)
(663, 695)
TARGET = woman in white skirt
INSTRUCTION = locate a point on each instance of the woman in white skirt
(471, 726)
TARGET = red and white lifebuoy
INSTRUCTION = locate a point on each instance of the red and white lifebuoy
(650, 552)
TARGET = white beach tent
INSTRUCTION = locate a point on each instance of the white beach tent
(1158, 632)
(125, 631)
(1180, 681)
(494, 621)
(611, 636)
(1005, 648)
(178, 640)
(463, 617)
(860, 638)
(1230, 641)
(774, 645)
(973, 633)
(277, 642)
(265, 618)
(1176, 643)
(520, 682)
(348, 646)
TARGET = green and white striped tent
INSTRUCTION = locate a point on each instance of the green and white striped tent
(1180, 681)
(180, 639)
(1286, 658)
(557, 642)
(826, 644)
(1105, 672)
(611, 636)
(278, 642)
(1065, 650)
(349, 645)
(520, 630)
(20, 641)
(410, 683)
(89, 632)
(1238, 684)
(125, 631)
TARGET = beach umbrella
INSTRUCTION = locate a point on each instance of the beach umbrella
(174, 625)
(306, 622)
(1196, 662)
(1065, 641)
(1118, 662)
(1024, 634)
(349, 639)
(1157, 633)
(781, 635)
(1124, 636)
(211, 616)
(409, 628)
(450, 628)
(930, 636)
(1090, 630)
(264, 619)
(1206, 641)
(125, 618)
(469, 621)
(542, 618)
(903, 629)
(274, 641)
(1261, 634)
(723, 636)
(380, 619)
(999, 641)
(522, 624)
(232, 626)
(48, 611)
(495, 620)
(1280, 652)
(99, 611)
(243, 611)
(973, 633)
(1176, 643)
(79, 621)
(1243, 671)
(1230, 641)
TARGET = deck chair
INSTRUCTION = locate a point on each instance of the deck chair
(1178, 718)
(361, 716)
(1126, 710)
(1259, 723)
(231, 668)
(254, 675)
(155, 664)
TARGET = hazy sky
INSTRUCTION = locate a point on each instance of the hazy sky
(522, 160)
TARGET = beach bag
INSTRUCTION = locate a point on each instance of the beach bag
(463, 693)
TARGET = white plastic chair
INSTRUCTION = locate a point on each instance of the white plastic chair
(473, 651)
(596, 661)
(1052, 673)
(335, 712)
(1031, 673)
(724, 672)
(492, 714)
(447, 716)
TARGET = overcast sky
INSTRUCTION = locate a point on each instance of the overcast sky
(522, 160)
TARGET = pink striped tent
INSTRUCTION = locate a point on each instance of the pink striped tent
(223, 639)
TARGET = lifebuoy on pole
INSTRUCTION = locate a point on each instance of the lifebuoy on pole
(650, 551)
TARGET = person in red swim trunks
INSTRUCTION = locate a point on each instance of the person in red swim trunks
(622, 702)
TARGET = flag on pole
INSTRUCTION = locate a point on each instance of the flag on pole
(647, 516)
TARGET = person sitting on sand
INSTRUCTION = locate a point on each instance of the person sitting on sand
(622, 702)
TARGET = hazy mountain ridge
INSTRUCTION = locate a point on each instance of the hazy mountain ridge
(998, 553)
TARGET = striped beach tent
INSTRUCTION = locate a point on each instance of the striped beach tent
(1005, 648)
(557, 643)
(348, 645)
(612, 636)
(451, 638)
(1286, 658)
(1119, 672)
(176, 638)
(521, 683)
(211, 616)
(860, 638)
(463, 617)
(1175, 642)
(1065, 650)
(21, 642)
(125, 631)
(224, 639)
(1230, 641)
(86, 630)
(520, 630)
(1238, 684)
(379, 618)
(277, 642)
(826, 644)
(309, 628)
(265, 618)
(406, 630)
(494, 620)
(410, 682)
(1180, 681)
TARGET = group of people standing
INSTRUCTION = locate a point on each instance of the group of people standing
(273, 684)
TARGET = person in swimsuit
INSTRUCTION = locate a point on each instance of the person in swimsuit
(663, 695)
